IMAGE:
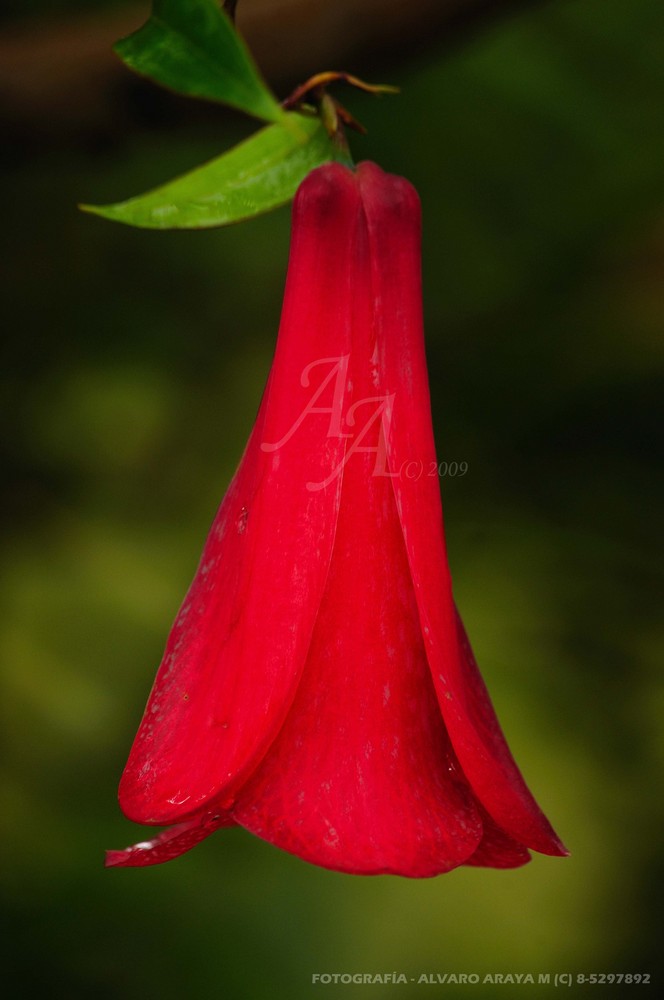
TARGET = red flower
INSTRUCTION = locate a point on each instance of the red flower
(318, 687)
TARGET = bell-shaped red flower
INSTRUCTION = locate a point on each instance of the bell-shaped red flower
(318, 687)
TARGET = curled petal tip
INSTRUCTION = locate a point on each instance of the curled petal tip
(121, 859)
(558, 849)
(168, 844)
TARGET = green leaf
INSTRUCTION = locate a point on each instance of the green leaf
(191, 47)
(256, 176)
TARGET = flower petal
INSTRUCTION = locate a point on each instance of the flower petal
(237, 649)
(496, 848)
(362, 777)
(393, 215)
(169, 843)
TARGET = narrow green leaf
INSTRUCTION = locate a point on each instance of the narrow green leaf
(191, 47)
(256, 176)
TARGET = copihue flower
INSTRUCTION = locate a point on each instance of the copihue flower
(318, 687)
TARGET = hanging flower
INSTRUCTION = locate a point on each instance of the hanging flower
(318, 687)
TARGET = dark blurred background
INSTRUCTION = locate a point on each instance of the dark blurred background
(133, 364)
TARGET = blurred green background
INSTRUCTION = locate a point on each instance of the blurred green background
(133, 366)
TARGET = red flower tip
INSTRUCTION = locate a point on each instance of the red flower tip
(169, 844)
(318, 687)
